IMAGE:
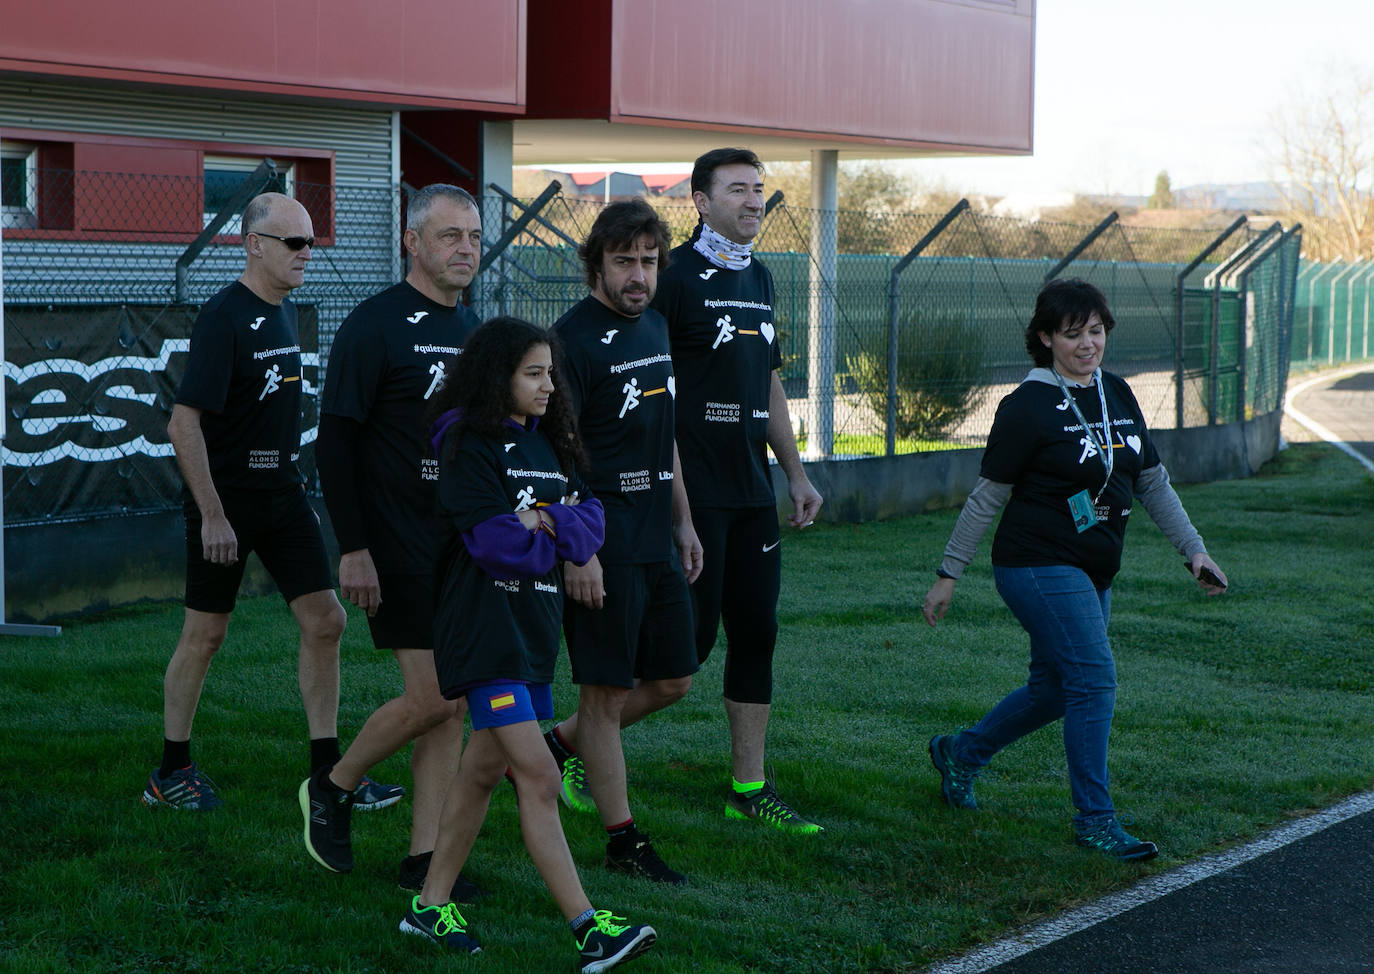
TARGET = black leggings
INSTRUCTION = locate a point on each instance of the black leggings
(740, 579)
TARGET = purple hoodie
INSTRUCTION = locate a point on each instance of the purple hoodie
(507, 550)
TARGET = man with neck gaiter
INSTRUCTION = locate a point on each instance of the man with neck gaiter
(731, 409)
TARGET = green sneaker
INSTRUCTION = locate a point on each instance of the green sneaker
(956, 778)
(609, 941)
(442, 924)
(765, 806)
(1109, 838)
(575, 793)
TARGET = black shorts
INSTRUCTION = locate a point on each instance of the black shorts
(283, 529)
(405, 619)
(739, 583)
(642, 632)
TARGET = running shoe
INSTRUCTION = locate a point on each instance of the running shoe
(1109, 838)
(412, 874)
(610, 941)
(370, 796)
(442, 924)
(187, 788)
(956, 778)
(575, 793)
(641, 860)
(765, 806)
(328, 818)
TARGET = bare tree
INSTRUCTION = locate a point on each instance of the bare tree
(1325, 159)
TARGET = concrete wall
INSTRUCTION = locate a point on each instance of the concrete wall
(59, 570)
(882, 487)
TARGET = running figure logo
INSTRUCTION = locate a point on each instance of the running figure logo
(273, 383)
(1089, 448)
(437, 383)
(524, 498)
(632, 394)
(726, 333)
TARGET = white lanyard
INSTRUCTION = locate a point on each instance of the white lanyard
(1104, 450)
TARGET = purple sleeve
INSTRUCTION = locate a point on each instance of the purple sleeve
(581, 529)
(506, 550)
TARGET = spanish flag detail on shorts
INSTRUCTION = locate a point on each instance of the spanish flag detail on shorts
(503, 701)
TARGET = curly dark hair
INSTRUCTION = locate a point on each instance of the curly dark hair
(617, 227)
(478, 383)
(1061, 304)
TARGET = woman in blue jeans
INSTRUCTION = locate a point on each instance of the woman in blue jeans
(1068, 454)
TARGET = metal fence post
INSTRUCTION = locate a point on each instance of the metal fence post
(1082, 245)
(252, 185)
(1178, 313)
(893, 285)
(1331, 316)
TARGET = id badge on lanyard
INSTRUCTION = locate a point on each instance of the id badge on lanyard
(1082, 505)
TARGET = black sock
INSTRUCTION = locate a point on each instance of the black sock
(175, 756)
(559, 747)
(324, 753)
(622, 837)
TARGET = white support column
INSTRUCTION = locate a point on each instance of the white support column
(820, 358)
(498, 164)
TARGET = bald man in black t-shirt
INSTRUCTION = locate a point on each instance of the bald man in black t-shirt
(235, 428)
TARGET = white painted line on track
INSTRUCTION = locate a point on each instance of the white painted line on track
(1043, 934)
(1304, 420)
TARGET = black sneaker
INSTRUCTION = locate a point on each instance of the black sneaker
(609, 941)
(641, 860)
(187, 788)
(412, 874)
(328, 813)
(442, 924)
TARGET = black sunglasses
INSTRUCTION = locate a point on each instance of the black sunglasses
(294, 243)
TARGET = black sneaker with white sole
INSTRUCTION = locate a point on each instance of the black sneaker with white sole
(609, 940)
(444, 925)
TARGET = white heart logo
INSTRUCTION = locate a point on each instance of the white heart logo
(672, 386)
(767, 330)
(1134, 443)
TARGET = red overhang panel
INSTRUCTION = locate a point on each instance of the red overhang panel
(437, 53)
(956, 73)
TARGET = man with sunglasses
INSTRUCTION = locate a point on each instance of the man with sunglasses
(379, 476)
(235, 428)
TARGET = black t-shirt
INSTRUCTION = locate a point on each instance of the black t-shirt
(388, 358)
(724, 344)
(619, 379)
(1038, 446)
(484, 628)
(244, 374)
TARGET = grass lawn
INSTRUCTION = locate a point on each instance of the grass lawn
(1233, 715)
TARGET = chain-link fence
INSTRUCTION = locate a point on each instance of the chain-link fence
(98, 320)
(98, 317)
(927, 332)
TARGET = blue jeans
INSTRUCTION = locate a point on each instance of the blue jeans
(1072, 675)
